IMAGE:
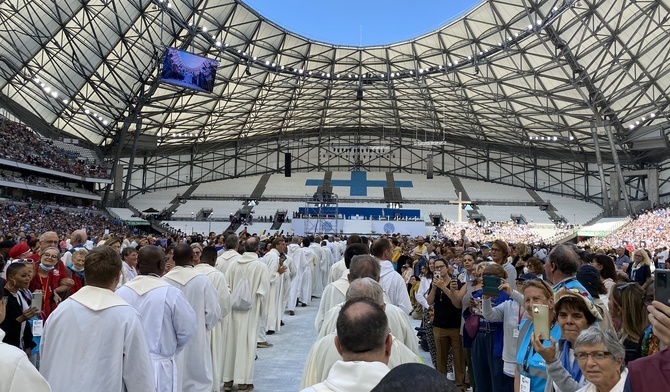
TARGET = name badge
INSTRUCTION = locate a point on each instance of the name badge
(38, 327)
(524, 384)
(516, 333)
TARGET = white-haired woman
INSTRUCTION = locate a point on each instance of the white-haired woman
(640, 269)
(601, 359)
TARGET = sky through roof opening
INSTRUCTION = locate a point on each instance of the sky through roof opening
(361, 22)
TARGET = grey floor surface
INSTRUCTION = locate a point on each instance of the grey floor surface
(279, 368)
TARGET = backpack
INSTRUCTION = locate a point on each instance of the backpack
(240, 297)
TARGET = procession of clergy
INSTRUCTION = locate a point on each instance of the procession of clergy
(197, 327)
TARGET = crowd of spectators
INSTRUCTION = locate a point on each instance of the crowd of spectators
(648, 228)
(42, 182)
(20, 144)
(35, 219)
(490, 231)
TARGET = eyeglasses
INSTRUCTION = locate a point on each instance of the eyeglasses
(596, 355)
(440, 267)
(50, 255)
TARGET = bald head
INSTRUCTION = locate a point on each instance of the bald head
(364, 266)
(251, 245)
(151, 260)
(78, 237)
(363, 332)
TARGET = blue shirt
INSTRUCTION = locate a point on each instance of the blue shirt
(531, 364)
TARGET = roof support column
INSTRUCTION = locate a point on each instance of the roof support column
(131, 163)
(599, 161)
(617, 167)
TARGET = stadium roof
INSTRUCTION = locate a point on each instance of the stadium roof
(522, 75)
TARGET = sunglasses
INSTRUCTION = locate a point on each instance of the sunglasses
(625, 286)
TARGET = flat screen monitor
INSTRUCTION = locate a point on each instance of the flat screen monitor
(188, 70)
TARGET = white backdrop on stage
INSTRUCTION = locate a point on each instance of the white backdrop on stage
(349, 226)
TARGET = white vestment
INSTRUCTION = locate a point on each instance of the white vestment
(310, 261)
(397, 319)
(17, 374)
(217, 336)
(336, 271)
(320, 266)
(323, 355)
(353, 376)
(98, 333)
(169, 323)
(334, 253)
(128, 273)
(394, 286)
(195, 361)
(334, 294)
(224, 261)
(299, 262)
(275, 307)
(287, 278)
(240, 348)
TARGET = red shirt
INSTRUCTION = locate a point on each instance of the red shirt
(78, 282)
(48, 285)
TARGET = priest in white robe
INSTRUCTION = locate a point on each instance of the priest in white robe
(217, 336)
(336, 292)
(398, 321)
(299, 264)
(392, 282)
(323, 355)
(228, 257)
(276, 268)
(195, 361)
(287, 278)
(319, 261)
(336, 271)
(167, 317)
(308, 275)
(339, 267)
(365, 345)
(95, 324)
(240, 348)
(325, 263)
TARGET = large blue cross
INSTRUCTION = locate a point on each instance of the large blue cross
(358, 185)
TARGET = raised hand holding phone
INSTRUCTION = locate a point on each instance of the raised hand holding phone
(37, 300)
(540, 314)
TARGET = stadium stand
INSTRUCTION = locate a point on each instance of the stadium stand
(20, 144)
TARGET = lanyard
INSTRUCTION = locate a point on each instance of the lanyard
(518, 320)
(526, 368)
(573, 369)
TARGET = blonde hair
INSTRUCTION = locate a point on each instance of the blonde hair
(540, 284)
(521, 250)
(644, 254)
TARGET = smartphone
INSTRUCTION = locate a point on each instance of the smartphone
(662, 286)
(37, 301)
(437, 274)
(491, 284)
(541, 321)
